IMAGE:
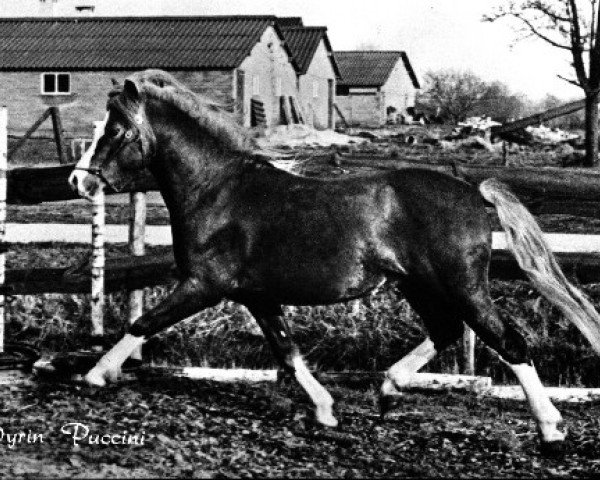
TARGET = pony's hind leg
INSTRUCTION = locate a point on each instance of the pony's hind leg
(399, 374)
(278, 334)
(474, 305)
(429, 301)
(507, 340)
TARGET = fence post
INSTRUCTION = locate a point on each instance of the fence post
(3, 186)
(469, 351)
(98, 260)
(137, 230)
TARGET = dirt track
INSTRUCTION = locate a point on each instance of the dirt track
(202, 429)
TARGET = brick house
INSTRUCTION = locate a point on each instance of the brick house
(373, 81)
(317, 71)
(70, 61)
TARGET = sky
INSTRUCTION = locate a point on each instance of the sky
(436, 34)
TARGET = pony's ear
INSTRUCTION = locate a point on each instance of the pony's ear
(132, 89)
(115, 82)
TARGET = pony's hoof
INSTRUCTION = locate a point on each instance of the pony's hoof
(553, 449)
(112, 375)
(95, 378)
(388, 403)
(326, 419)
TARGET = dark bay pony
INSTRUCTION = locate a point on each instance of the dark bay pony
(265, 238)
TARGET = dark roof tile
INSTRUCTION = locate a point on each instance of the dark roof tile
(290, 21)
(303, 43)
(217, 42)
(370, 68)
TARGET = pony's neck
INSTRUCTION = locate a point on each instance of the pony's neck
(190, 166)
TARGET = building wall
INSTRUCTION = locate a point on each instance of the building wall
(399, 90)
(316, 81)
(362, 109)
(269, 63)
(370, 110)
(20, 92)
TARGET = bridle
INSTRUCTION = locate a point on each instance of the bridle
(131, 136)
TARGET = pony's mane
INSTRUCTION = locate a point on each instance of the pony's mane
(210, 115)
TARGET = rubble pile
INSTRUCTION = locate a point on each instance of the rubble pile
(292, 147)
(298, 135)
(481, 124)
(553, 136)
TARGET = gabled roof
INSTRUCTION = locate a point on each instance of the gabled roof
(290, 21)
(371, 68)
(303, 43)
(97, 43)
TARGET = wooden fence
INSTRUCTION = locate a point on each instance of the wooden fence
(543, 190)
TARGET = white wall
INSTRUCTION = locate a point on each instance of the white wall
(399, 90)
(316, 78)
(268, 62)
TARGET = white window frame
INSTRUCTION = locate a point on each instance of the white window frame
(255, 85)
(55, 74)
(315, 92)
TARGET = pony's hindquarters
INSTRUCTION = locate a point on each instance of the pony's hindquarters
(526, 242)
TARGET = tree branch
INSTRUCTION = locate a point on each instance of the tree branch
(547, 10)
(535, 31)
(576, 47)
(570, 80)
(594, 76)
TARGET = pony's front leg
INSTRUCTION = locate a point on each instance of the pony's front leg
(187, 298)
(278, 334)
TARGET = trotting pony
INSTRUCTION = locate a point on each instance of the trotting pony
(265, 238)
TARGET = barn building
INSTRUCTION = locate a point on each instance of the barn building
(69, 62)
(317, 71)
(373, 83)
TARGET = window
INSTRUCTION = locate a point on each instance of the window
(315, 89)
(56, 84)
(255, 85)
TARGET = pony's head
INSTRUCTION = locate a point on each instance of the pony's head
(124, 143)
(127, 142)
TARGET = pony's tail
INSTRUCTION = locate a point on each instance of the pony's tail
(526, 242)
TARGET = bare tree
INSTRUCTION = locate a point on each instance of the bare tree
(454, 95)
(500, 103)
(571, 26)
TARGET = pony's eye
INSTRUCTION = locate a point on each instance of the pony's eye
(128, 135)
(113, 132)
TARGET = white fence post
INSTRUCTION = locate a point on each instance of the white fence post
(98, 261)
(3, 188)
(137, 231)
(468, 351)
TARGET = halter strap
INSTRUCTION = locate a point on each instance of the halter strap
(142, 133)
(93, 170)
(145, 141)
(96, 171)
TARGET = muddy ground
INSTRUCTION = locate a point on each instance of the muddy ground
(203, 429)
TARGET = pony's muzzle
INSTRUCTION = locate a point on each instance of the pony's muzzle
(85, 184)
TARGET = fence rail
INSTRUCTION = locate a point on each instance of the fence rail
(543, 190)
(137, 272)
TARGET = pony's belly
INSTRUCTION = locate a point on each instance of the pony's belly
(317, 292)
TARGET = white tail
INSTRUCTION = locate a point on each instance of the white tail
(526, 242)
